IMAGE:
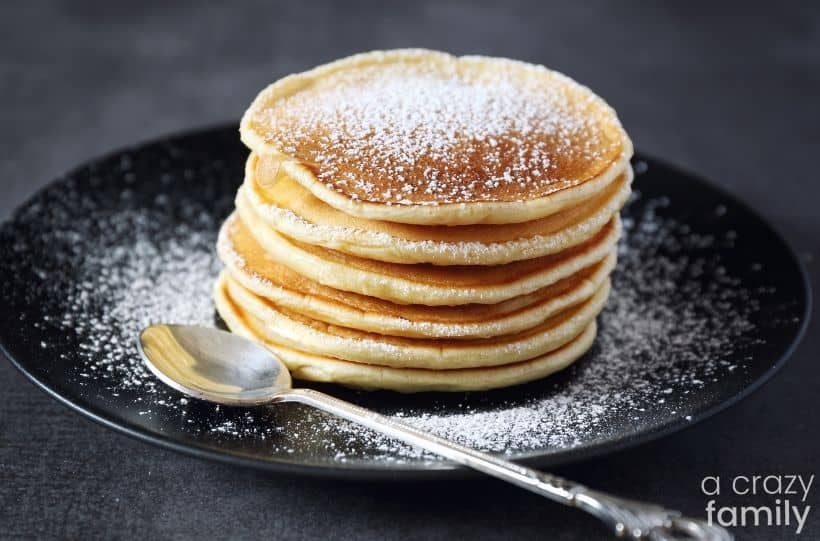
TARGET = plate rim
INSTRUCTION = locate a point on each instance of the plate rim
(444, 470)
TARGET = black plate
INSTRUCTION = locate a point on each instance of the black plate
(708, 302)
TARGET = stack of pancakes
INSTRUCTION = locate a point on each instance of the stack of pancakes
(414, 221)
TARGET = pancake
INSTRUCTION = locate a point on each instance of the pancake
(423, 283)
(288, 207)
(294, 330)
(255, 270)
(423, 137)
(416, 221)
(312, 367)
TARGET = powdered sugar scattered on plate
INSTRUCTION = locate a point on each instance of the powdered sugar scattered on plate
(91, 263)
(661, 327)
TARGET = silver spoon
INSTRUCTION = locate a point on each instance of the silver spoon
(228, 369)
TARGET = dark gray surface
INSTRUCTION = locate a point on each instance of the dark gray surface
(730, 93)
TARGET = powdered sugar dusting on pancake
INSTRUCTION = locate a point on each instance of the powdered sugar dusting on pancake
(418, 133)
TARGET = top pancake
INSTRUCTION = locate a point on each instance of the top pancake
(421, 137)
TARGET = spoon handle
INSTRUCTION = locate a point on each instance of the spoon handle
(627, 518)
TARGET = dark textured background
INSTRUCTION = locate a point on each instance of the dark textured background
(730, 92)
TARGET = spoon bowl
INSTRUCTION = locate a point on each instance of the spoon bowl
(213, 365)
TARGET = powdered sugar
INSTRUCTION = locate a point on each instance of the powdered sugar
(144, 283)
(411, 133)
